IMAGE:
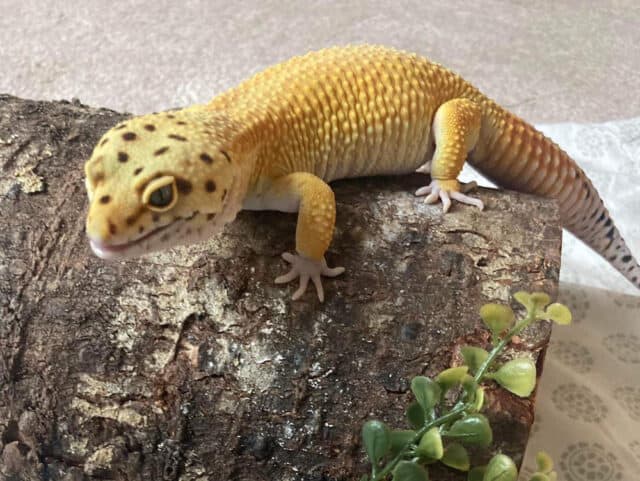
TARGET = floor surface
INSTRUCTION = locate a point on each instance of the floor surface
(549, 61)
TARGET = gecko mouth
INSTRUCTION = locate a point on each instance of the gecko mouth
(111, 251)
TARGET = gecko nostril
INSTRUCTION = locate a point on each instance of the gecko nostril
(112, 228)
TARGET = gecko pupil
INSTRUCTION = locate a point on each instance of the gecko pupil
(161, 197)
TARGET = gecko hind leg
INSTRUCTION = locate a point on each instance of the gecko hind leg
(456, 129)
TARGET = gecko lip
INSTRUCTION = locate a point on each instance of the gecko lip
(110, 251)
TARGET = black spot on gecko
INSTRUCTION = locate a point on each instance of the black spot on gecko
(601, 218)
(177, 137)
(206, 158)
(181, 122)
(183, 185)
(128, 136)
(150, 127)
(226, 155)
(161, 151)
(120, 127)
(123, 157)
(141, 229)
(224, 194)
(210, 216)
(164, 237)
(105, 199)
(610, 233)
(210, 186)
(634, 279)
(155, 217)
(137, 171)
(171, 116)
(104, 141)
(626, 259)
(608, 223)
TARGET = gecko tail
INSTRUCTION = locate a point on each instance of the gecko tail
(590, 221)
(517, 156)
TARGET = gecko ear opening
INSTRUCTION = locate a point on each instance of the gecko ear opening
(160, 194)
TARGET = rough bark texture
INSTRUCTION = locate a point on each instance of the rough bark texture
(193, 365)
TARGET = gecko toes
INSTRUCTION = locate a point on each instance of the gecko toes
(445, 191)
(307, 269)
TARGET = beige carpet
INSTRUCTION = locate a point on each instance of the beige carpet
(570, 60)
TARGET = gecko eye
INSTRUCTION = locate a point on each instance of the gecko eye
(161, 197)
(161, 194)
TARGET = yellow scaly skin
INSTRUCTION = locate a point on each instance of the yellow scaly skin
(276, 140)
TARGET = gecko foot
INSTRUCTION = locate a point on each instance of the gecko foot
(445, 190)
(306, 269)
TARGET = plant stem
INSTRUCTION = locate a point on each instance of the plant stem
(503, 342)
(451, 415)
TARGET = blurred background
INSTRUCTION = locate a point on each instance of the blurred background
(549, 61)
(572, 67)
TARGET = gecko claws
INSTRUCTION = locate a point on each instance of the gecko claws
(307, 269)
(447, 190)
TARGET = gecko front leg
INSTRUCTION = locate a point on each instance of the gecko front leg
(456, 127)
(315, 203)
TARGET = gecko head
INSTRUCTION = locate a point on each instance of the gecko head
(161, 180)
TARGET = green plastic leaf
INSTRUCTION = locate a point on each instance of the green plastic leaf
(474, 357)
(539, 477)
(517, 376)
(544, 462)
(400, 438)
(497, 317)
(376, 440)
(469, 384)
(501, 468)
(479, 400)
(535, 301)
(430, 446)
(473, 429)
(408, 471)
(477, 474)
(524, 298)
(415, 415)
(426, 391)
(540, 299)
(451, 377)
(558, 313)
(455, 456)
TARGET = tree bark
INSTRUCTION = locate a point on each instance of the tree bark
(192, 365)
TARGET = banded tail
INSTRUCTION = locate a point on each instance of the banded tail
(514, 155)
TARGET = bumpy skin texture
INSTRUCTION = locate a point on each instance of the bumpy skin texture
(276, 140)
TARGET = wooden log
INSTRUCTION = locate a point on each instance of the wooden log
(193, 365)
